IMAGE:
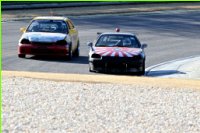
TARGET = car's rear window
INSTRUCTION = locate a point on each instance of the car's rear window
(118, 41)
(54, 26)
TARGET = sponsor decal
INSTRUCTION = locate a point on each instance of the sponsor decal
(117, 52)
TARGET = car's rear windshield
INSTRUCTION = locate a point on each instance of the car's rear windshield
(53, 26)
(118, 41)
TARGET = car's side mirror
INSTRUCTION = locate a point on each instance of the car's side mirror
(144, 46)
(90, 44)
(23, 29)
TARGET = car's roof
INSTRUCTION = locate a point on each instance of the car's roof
(51, 18)
(117, 33)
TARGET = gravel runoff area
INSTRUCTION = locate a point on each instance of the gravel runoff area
(39, 105)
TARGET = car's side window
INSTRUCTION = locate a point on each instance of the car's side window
(33, 26)
(138, 42)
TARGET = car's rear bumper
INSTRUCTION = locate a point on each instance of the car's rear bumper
(43, 50)
(121, 65)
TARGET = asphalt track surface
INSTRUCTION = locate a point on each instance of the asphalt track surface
(169, 34)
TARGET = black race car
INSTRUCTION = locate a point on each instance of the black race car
(117, 52)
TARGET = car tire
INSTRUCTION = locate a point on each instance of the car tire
(76, 52)
(143, 70)
(21, 55)
(69, 57)
(90, 68)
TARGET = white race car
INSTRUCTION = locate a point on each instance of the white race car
(49, 36)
